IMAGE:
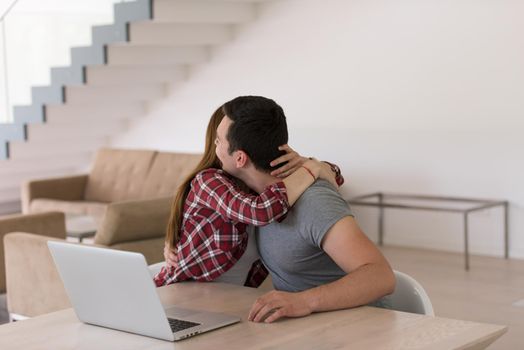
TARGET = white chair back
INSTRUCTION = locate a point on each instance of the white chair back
(155, 268)
(409, 296)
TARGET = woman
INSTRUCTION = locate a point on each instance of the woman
(208, 227)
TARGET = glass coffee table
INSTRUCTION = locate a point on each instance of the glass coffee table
(461, 205)
(79, 227)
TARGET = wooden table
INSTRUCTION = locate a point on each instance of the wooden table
(359, 328)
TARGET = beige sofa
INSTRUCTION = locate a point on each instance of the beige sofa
(128, 192)
(117, 175)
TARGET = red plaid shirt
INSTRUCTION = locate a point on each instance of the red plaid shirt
(214, 237)
(338, 174)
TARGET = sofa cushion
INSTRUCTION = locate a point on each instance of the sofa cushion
(94, 209)
(118, 175)
(134, 220)
(167, 173)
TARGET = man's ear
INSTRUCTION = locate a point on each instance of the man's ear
(241, 159)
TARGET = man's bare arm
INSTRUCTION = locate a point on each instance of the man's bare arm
(368, 278)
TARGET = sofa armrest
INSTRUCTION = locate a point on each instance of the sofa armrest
(50, 224)
(68, 188)
(34, 286)
(134, 220)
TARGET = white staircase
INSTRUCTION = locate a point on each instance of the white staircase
(119, 82)
(129, 73)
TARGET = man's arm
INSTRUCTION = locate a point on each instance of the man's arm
(368, 278)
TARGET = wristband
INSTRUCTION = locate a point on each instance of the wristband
(309, 171)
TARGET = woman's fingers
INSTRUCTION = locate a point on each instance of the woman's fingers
(285, 168)
(292, 161)
(170, 256)
(284, 158)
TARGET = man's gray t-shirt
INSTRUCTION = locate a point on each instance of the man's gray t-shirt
(291, 250)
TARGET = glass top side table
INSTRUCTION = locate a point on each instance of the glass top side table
(461, 205)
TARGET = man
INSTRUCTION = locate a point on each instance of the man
(318, 257)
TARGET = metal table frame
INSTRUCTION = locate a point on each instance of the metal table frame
(477, 204)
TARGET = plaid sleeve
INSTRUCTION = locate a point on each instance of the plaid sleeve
(338, 174)
(257, 275)
(217, 192)
(163, 277)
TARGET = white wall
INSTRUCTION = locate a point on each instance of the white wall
(407, 96)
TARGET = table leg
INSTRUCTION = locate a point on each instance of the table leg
(466, 242)
(506, 230)
(380, 221)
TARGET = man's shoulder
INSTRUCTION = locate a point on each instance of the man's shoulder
(320, 190)
(317, 210)
(319, 200)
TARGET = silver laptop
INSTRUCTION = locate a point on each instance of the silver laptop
(114, 289)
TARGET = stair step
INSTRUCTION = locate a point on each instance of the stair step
(184, 34)
(42, 164)
(12, 131)
(132, 11)
(93, 94)
(3, 150)
(76, 113)
(202, 11)
(104, 34)
(135, 54)
(248, 1)
(47, 94)
(28, 114)
(110, 74)
(27, 150)
(66, 75)
(81, 129)
(85, 55)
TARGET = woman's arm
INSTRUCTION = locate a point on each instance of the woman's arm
(215, 190)
(292, 161)
(275, 200)
(305, 175)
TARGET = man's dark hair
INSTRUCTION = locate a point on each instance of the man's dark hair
(258, 128)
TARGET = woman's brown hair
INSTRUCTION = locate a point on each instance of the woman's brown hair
(209, 160)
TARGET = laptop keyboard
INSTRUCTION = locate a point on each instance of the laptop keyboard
(178, 325)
